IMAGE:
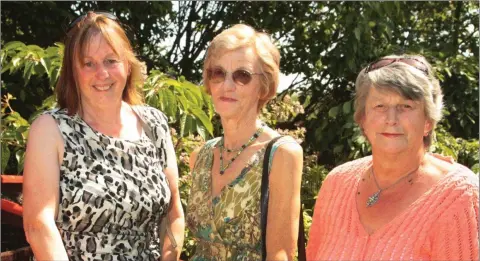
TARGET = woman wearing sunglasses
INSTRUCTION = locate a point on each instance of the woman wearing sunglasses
(402, 202)
(241, 72)
(100, 171)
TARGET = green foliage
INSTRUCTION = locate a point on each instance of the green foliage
(184, 146)
(324, 43)
(182, 102)
(13, 135)
(463, 151)
(32, 60)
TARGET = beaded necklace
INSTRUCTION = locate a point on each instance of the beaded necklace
(239, 150)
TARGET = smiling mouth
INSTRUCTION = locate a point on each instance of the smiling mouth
(391, 134)
(227, 99)
(103, 87)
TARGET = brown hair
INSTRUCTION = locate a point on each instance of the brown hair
(77, 40)
(241, 36)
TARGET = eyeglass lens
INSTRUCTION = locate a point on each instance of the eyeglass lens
(240, 77)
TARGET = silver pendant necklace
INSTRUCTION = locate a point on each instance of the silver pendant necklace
(373, 199)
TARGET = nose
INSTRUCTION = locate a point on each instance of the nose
(392, 115)
(229, 84)
(101, 72)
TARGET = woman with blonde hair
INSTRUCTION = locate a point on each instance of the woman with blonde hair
(100, 171)
(241, 73)
(402, 202)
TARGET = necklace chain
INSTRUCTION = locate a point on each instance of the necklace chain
(238, 151)
(373, 199)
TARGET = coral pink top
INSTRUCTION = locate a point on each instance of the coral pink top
(440, 225)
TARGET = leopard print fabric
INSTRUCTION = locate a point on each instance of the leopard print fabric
(113, 192)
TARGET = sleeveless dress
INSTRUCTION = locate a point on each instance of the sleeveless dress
(113, 192)
(227, 227)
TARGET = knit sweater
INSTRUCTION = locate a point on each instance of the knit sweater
(440, 225)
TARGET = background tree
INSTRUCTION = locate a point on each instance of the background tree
(323, 44)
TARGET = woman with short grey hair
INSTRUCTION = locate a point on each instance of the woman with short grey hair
(402, 202)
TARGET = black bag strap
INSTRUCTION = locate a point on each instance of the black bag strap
(264, 208)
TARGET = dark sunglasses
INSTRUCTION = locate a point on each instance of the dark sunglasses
(106, 14)
(416, 63)
(240, 76)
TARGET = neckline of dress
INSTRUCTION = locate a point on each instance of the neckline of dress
(382, 229)
(142, 137)
(241, 175)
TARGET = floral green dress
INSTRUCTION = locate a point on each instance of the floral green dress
(226, 227)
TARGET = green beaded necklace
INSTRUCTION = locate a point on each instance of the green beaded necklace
(239, 151)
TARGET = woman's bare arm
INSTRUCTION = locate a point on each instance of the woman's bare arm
(284, 202)
(41, 189)
(175, 214)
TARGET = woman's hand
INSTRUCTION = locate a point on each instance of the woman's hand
(176, 219)
(284, 202)
(41, 189)
(175, 214)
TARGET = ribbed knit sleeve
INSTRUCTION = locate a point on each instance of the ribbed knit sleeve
(455, 235)
(332, 202)
(315, 233)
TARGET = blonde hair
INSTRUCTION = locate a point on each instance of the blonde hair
(77, 40)
(242, 36)
(407, 81)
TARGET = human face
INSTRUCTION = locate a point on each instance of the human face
(101, 74)
(394, 124)
(234, 100)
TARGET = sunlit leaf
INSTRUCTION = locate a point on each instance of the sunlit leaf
(20, 156)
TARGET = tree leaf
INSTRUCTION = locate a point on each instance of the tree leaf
(46, 65)
(357, 33)
(27, 73)
(183, 122)
(332, 113)
(5, 156)
(188, 125)
(199, 114)
(201, 131)
(20, 156)
(167, 102)
(347, 107)
(14, 45)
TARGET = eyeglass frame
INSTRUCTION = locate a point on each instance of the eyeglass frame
(225, 73)
(371, 67)
(80, 18)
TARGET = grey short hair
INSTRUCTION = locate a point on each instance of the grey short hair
(407, 81)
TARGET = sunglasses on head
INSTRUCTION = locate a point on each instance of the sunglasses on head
(106, 14)
(414, 62)
(240, 76)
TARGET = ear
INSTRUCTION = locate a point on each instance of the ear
(428, 127)
(361, 121)
(129, 69)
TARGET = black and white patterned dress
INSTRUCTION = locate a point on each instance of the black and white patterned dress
(113, 192)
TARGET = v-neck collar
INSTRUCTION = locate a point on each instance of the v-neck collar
(401, 216)
(252, 161)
